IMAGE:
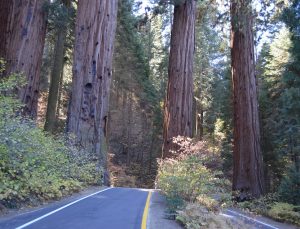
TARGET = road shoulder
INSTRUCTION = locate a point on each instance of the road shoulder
(156, 218)
(257, 221)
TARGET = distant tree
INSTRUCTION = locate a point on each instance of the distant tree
(92, 72)
(23, 32)
(179, 99)
(247, 165)
(271, 66)
(62, 13)
(291, 79)
(279, 105)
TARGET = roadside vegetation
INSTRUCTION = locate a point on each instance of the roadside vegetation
(35, 166)
(195, 187)
(197, 190)
(273, 206)
(122, 78)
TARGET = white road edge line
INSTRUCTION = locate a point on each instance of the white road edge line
(251, 219)
(59, 209)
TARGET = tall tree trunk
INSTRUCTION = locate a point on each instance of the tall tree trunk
(128, 129)
(248, 173)
(5, 11)
(92, 72)
(60, 93)
(195, 114)
(25, 43)
(179, 100)
(200, 123)
(56, 74)
(57, 69)
(199, 116)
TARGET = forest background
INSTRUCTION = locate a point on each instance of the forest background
(33, 139)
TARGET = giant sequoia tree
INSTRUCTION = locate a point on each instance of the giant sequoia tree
(92, 72)
(178, 104)
(247, 174)
(23, 32)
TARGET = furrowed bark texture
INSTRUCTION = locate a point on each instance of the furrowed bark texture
(58, 64)
(248, 173)
(5, 11)
(57, 73)
(92, 72)
(179, 99)
(25, 40)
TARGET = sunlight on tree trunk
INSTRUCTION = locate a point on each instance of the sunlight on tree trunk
(56, 73)
(92, 72)
(55, 81)
(179, 100)
(248, 172)
(25, 40)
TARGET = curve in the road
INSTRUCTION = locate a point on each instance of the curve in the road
(146, 211)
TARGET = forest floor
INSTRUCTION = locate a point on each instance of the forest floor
(157, 214)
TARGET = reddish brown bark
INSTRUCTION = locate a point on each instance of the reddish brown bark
(92, 71)
(57, 71)
(25, 37)
(5, 11)
(179, 100)
(247, 174)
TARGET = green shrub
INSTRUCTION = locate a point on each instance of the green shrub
(285, 212)
(289, 189)
(270, 206)
(35, 166)
(261, 205)
(186, 178)
(195, 216)
(194, 187)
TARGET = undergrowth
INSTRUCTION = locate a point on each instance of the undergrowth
(196, 190)
(194, 185)
(196, 216)
(271, 206)
(35, 166)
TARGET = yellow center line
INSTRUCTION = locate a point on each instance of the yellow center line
(146, 211)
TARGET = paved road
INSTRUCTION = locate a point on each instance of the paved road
(115, 208)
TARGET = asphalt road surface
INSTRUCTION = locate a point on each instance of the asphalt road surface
(116, 208)
(113, 208)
